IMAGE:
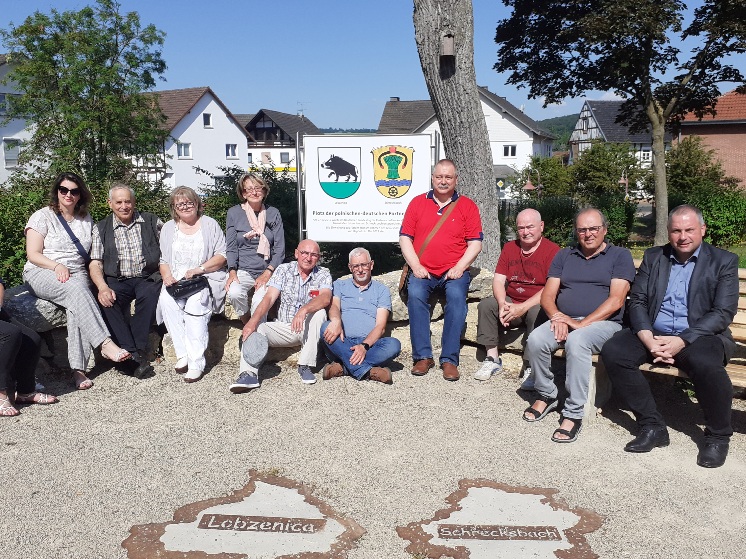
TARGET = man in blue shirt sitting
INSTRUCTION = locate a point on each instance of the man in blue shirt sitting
(683, 299)
(353, 335)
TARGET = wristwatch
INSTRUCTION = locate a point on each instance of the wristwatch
(366, 346)
(201, 267)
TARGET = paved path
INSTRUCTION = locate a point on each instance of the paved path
(79, 474)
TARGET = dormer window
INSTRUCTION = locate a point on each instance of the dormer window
(207, 120)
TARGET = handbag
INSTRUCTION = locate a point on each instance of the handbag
(405, 271)
(185, 288)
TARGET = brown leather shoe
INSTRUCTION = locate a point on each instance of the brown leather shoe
(381, 374)
(450, 371)
(422, 367)
(332, 370)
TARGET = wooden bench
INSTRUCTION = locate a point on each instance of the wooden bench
(599, 387)
(736, 370)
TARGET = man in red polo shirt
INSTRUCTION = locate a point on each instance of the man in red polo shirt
(443, 265)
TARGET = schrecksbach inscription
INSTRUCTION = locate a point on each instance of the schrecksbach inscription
(495, 532)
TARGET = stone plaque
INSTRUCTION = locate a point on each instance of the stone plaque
(271, 517)
(488, 520)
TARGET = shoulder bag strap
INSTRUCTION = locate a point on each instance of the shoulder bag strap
(75, 240)
(442, 219)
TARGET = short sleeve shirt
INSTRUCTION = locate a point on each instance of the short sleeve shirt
(58, 245)
(585, 284)
(294, 291)
(525, 275)
(449, 244)
(359, 307)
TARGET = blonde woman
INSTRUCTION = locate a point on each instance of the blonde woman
(192, 245)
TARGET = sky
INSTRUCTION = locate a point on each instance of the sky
(337, 61)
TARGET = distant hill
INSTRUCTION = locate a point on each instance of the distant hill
(560, 126)
(348, 130)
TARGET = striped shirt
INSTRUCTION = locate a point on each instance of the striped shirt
(128, 239)
(294, 291)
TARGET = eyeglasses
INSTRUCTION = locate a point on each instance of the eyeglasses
(309, 254)
(586, 230)
(71, 191)
(253, 190)
(184, 205)
(364, 266)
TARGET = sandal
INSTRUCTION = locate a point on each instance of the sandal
(551, 403)
(36, 398)
(119, 356)
(82, 384)
(7, 409)
(572, 434)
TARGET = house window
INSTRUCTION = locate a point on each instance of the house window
(509, 151)
(645, 155)
(184, 151)
(585, 124)
(3, 101)
(230, 151)
(207, 120)
(284, 157)
(11, 150)
(251, 157)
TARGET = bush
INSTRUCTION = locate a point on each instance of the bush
(619, 212)
(557, 212)
(724, 211)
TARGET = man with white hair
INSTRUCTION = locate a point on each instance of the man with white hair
(517, 285)
(124, 268)
(305, 291)
(353, 336)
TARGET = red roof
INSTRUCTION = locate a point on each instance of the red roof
(731, 106)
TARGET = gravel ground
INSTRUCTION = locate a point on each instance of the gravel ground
(80, 473)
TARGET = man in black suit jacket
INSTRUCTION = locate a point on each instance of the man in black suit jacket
(684, 297)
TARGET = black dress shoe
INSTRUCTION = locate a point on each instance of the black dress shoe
(712, 454)
(143, 370)
(648, 439)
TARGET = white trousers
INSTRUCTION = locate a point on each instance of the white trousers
(238, 293)
(186, 321)
(279, 334)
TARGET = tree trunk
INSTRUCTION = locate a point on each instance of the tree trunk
(658, 122)
(452, 84)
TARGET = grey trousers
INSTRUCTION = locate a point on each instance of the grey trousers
(489, 328)
(86, 328)
(579, 347)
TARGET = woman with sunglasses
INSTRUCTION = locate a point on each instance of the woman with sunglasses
(192, 244)
(56, 270)
(255, 242)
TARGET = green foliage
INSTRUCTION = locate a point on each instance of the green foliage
(598, 170)
(562, 127)
(556, 178)
(696, 177)
(620, 214)
(557, 212)
(81, 76)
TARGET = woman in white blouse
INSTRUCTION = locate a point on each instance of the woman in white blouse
(56, 270)
(192, 244)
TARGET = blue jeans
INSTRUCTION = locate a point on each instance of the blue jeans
(453, 322)
(385, 349)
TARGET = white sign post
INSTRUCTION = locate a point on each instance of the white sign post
(358, 187)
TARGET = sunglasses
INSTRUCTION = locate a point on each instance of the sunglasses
(71, 191)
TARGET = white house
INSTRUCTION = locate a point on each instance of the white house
(272, 136)
(14, 133)
(597, 122)
(203, 133)
(514, 136)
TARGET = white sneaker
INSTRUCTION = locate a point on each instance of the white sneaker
(528, 379)
(489, 368)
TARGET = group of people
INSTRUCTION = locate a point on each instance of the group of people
(679, 303)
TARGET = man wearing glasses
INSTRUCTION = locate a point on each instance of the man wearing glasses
(584, 299)
(124, 268)
(353, 336)
(517, 285)
(305, 291)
